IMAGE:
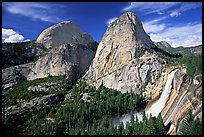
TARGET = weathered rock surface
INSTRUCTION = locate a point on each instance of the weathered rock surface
(185, 94)
(162, 44)
(15, 75)
(22, 107)
(70, 53)
(87, 98)
(64, 33)
(72, 60)
(122, 59)
(69, 96)
(43, 87)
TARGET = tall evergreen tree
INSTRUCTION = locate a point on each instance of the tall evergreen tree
(161, 129)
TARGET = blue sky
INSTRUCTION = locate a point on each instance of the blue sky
(179, 23)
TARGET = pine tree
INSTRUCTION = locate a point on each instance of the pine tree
(144, 127)
(186, 124)
(151, 129)
(196, 127)
(161, 129)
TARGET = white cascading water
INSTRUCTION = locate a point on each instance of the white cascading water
(126, 118)
(157, 107)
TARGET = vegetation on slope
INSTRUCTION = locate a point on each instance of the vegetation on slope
(19, 53)
(192, 62)
(77, 116)
(21, 92)
(184, 51)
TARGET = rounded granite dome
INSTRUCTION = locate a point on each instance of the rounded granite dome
(65, 32)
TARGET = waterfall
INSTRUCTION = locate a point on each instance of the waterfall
(126, 118)
(157, 107)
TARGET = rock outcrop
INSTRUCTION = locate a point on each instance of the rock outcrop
(39, 101)
(162, 44)
(15, 75)
(122, 58)
(64, 33)
(186, 93)
(72, 60)
(70, 53)
(43, 87)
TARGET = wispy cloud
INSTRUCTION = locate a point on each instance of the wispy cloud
(175, 14)
(162, 7)
(109, 21)
(185, 35)
(9, 35)
(47, 12)
(150, 7)
(153, 26)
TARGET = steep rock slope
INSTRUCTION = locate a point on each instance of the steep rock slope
(65, 32)
(72, 60)
(123, 59)
(186, 93)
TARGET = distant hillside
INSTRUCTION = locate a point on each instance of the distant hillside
(188, 50)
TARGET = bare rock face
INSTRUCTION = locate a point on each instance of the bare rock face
(63, 33)
(70, 53)
(162, 44)
(72, 60)
(122, 59)
(15, 75)
(186, 93)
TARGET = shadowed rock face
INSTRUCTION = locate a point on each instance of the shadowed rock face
(63, 33)
(122, 59)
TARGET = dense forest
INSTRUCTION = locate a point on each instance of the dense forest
(74, 114)
(90, 116)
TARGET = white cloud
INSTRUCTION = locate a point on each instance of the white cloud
(153, 26)
(175, 14)
(160, 13)
(148, 27)
(9, 35)
(185, 6)
(162, 7)
(111, 20)
(36, 10)
(187, 36)
(150, 7)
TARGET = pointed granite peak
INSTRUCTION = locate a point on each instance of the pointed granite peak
(127, 17)
(122, 56)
